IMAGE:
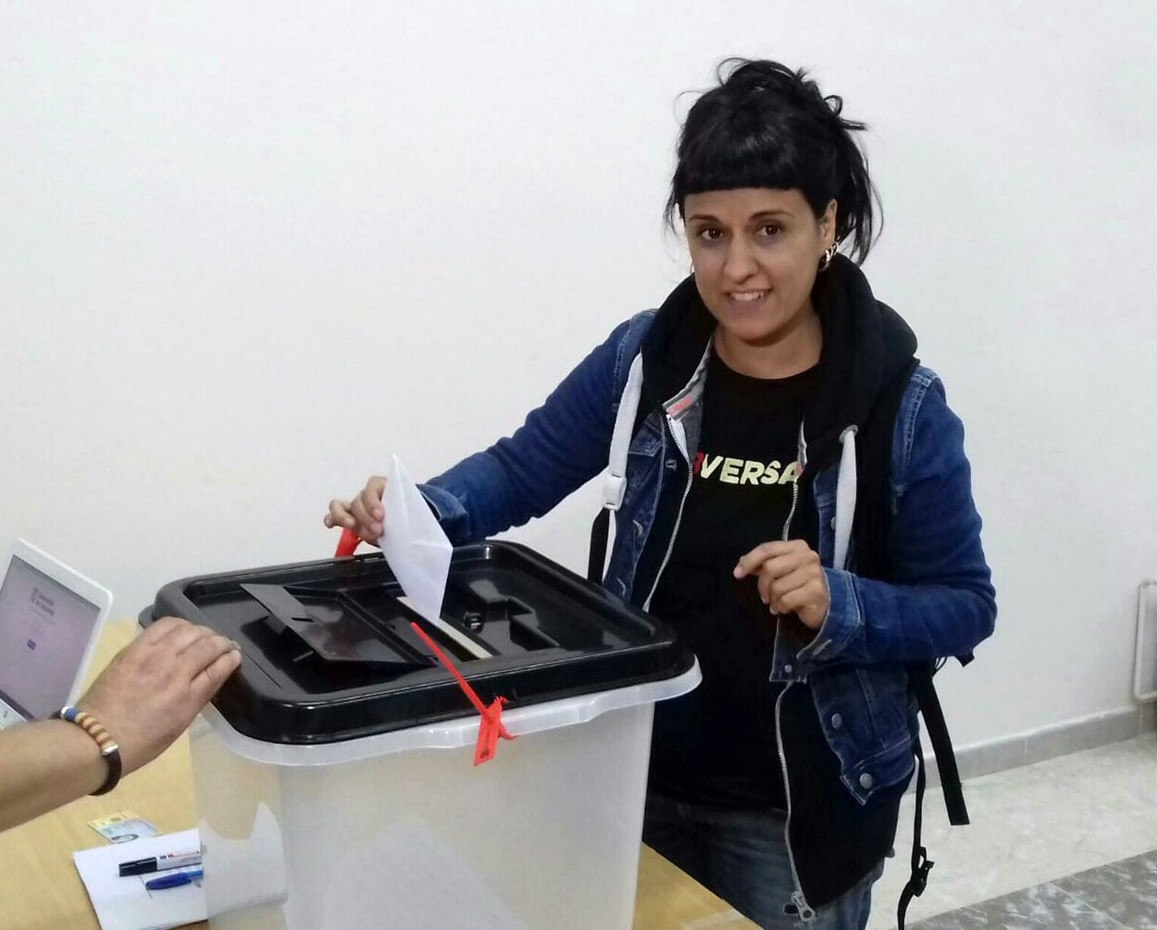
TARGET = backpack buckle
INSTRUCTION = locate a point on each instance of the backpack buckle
(920, 870)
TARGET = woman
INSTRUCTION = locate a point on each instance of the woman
(776, 783)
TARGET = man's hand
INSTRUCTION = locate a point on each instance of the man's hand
(154, 687)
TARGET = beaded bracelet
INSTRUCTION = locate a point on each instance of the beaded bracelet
(109, 750)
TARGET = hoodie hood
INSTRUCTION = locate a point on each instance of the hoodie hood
(866, 345)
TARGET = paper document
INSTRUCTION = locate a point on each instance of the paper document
(414, 544)
(125, 903)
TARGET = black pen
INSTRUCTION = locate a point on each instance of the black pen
(173, 860)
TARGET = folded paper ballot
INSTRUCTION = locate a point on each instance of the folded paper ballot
(418, 552)
(414, 544)
(125, 903)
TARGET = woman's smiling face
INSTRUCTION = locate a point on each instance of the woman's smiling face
(755, 252)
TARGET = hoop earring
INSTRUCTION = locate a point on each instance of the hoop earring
(829, 254)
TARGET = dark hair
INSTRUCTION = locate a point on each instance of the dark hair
(768, 126)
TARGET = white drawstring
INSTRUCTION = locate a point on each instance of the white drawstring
(845, 497)
(615, 484)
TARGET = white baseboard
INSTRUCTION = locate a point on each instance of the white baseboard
(1048, 742)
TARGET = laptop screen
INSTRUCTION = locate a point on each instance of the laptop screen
(44, 631)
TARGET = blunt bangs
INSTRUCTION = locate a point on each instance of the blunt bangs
(744, 149)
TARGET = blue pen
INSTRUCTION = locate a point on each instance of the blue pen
(174, 880)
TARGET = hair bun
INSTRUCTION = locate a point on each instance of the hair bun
(763, 76)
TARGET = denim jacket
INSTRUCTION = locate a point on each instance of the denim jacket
(941, 602)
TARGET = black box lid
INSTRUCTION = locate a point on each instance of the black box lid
(329, 653)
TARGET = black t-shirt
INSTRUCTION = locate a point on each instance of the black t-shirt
(717, 744)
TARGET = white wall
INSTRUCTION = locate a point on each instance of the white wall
(248, 250)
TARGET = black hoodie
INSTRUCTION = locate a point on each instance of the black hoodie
(866, 347)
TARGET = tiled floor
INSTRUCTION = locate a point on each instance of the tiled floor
(1121, 895)
(1066, 843)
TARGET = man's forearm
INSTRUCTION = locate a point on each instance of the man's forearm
(43, 765)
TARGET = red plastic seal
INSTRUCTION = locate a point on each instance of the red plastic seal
(347, 544)
(492, 727)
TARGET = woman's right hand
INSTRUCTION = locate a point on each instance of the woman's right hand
(364, 514)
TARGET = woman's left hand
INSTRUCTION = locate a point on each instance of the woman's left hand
(790, 578)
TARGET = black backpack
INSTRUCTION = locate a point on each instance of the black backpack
(871, 529)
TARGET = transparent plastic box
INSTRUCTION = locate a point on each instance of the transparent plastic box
(379, 818)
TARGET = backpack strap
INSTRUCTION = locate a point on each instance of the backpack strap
(921, 864)
(920, 680)
(616, 481)
(872, 528)
(597, 557)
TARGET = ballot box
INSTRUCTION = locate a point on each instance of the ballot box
(336, 776)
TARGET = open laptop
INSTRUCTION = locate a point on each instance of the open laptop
(50, 618)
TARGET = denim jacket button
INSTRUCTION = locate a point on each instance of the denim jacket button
(837, 721)
(866, 780)
(833, 523)
(787, 669)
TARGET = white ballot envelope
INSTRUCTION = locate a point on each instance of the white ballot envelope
(414, 544)
(419, 553)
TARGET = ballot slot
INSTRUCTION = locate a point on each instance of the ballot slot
(372, 622)
(386, 604)
(372, 625)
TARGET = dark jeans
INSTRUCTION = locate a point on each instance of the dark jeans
(742, 857)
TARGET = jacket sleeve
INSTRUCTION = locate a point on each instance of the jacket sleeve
(560, 446)
(941, 601)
